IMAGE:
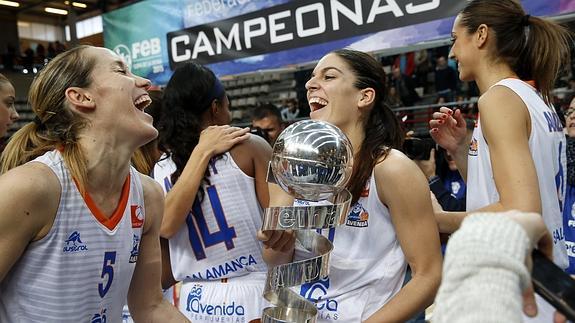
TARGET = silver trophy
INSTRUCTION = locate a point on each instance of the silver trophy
(312, 161)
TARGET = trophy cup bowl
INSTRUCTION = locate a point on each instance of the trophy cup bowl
(312, 160)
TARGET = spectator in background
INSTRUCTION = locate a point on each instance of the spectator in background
(8, 57)
(445, 182)
(393, 98)
(41, 53)
(569, 207)
(290, 111)
(445, 79)
(405, 87)
(268, 119)
(28, 59)
(422, 67)
(51, 50)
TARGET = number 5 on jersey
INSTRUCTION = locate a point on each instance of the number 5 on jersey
(107, 272)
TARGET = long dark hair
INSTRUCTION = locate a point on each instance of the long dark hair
(533, 47)
(188, 95)
(382, 129)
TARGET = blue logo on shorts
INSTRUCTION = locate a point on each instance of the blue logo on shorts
(194, 305)
(316, 292)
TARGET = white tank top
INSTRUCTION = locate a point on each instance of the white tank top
(366, 261)
(81, 270)
(547, 146)
(219, 237)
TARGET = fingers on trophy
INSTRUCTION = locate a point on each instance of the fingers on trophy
(312, 161)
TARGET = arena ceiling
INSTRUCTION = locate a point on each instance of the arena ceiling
(43, 10)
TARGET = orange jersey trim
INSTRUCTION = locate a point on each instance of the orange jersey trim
(112, 221)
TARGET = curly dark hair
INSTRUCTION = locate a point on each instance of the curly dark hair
(188, 95)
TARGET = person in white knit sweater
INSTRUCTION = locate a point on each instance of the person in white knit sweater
(486, 268)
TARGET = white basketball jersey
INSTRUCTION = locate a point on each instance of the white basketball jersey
(81, 270)
(218, 239)
(366, 267)
(547, 146)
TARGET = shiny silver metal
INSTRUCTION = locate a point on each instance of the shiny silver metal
(312, 161)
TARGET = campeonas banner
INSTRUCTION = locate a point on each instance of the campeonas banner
(237, 36)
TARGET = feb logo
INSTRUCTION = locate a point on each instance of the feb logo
(137, 216)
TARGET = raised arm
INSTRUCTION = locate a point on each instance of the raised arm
(29, 199)
(145, 295)
(504, 120)
(214, 140)
(403, 188)
(449, 130)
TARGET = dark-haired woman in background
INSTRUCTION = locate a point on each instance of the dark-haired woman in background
(215, 179)
(391, 221)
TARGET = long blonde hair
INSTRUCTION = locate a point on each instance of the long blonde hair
(55, 126)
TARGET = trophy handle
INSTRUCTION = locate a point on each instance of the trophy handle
(290, 306)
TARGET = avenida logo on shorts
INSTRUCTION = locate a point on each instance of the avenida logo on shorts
(195, 305)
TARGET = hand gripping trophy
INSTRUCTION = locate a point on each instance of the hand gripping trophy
(312, 161)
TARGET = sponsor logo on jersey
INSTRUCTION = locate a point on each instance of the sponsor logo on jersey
(99, 317)
(195, 306)
(74, 243)
(473, 147)
(135, 249)
(357, 217)
(137, 216)
(316, 292)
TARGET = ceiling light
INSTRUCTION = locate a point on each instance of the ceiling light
(9, 3)
(77, 4)
(56, 11)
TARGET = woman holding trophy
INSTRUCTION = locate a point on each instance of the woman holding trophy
(390, 223)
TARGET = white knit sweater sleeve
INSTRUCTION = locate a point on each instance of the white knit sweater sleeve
(484, 272)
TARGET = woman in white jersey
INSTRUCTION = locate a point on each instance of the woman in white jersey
(516, 156)
(8, 114)
(391, 223)
(214, 176)
(79, 225)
